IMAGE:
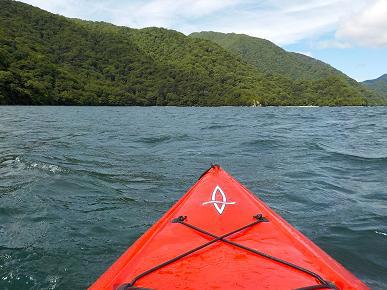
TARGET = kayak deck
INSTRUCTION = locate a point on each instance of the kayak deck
(220, 236)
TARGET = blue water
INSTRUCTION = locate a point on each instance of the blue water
(79, 184)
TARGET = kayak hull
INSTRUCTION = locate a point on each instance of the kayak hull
(219, 204)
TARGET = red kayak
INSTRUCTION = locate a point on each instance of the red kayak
(221, 236)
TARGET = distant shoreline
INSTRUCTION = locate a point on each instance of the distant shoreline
(46, 59)
(174, 106)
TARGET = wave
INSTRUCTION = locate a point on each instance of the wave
(262, 142)
(380, 233)
(36, 165)
(217, 126)
(47, 167)
(350, 154)
(164, 138)
(155, 139)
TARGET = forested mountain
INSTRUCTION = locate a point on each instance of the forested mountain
(270, 58)
(379, 84)
(50, 59)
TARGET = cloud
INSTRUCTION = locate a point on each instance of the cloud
(332, 43)
(167, 13)
(366, 28)
(85, 9)
(136, 13)
(281, 21)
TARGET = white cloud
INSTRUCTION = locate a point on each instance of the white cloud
(332, 43)
(281, 21)
(367, 27)
(284, 22)
(167, 13)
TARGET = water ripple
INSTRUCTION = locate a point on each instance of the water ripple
(78, 185)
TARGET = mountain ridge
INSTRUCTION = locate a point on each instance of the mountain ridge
(50, 59)
(260, 53)
(379, 84)
(272, 59)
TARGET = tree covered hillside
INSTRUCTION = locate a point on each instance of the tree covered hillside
(379, 85)
(270, 58)
(50, 59)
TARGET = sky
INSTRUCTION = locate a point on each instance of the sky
(350, 35)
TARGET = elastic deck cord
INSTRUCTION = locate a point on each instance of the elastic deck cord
(259, 218)
(324, 284)
(177, 220)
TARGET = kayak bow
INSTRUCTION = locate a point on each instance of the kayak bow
(221, 236)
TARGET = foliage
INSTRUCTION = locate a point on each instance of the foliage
(49, 59)
(309, 73)
(379, 85)
(268, 57)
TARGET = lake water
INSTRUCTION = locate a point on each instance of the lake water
(78, 185)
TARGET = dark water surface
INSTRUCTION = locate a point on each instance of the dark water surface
(78, 185)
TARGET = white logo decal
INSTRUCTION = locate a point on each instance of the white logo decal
(216, 202)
